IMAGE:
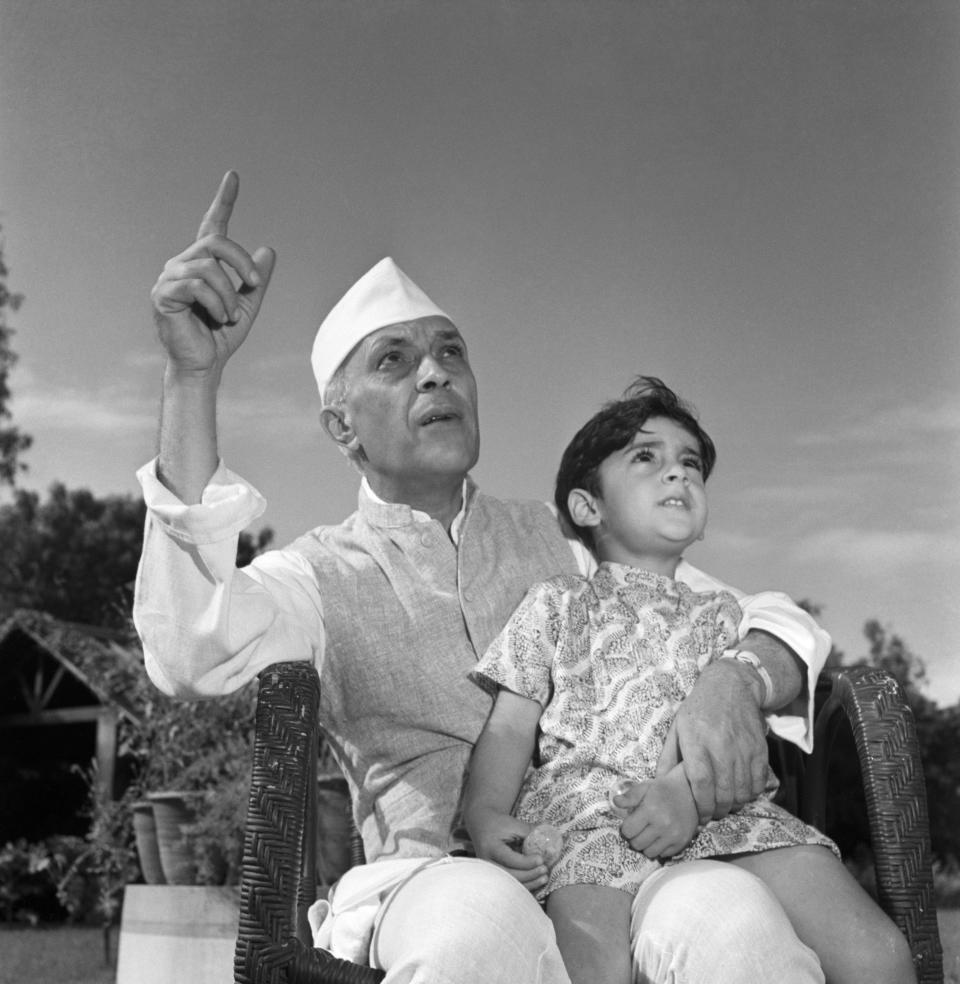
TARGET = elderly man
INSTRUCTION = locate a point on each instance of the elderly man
(394, 605)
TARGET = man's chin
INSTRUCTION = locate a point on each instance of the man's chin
(450, 455)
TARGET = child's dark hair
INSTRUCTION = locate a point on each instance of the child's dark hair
(613, 428)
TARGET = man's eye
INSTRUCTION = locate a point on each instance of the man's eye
(453, 351)
(389, 359)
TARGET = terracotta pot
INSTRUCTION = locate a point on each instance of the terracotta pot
(173, 812)
(145, 832)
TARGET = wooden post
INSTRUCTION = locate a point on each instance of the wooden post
(106, 752)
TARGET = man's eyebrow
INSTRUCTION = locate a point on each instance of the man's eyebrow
(384, 341)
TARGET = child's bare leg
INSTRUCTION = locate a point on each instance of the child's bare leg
(856, 941)
(592, 923)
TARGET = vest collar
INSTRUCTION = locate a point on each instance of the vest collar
(390, 515)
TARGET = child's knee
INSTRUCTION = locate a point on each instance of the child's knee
(885, 958)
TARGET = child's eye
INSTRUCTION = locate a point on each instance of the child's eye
(644, 454)
(694, 463)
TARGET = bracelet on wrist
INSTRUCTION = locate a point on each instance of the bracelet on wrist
(753, 660)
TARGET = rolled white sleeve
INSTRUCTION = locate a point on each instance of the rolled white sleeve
(208, 628)
(777, 614)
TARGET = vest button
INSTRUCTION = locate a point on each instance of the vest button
(426, 540)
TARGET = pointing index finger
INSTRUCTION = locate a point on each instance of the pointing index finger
(214, 222)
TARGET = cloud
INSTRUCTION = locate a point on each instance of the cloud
(892, 551)
(132, 407)
(936, 415)
(111, 409)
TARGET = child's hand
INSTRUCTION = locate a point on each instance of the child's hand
(498, 837)
(663, 819)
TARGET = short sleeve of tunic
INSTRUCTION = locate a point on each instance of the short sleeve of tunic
(520, 658)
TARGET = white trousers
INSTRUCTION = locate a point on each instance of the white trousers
(701, 922)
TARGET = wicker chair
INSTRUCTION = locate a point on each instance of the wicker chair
(278, 875)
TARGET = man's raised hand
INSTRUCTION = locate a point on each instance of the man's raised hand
(202, 314)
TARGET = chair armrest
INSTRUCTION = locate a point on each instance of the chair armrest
(278, 871)
(886, 742)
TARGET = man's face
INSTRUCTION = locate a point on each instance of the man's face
(411, 399)
(652, 497)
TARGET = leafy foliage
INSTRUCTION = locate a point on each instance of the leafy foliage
(74, 555)
(13, 443)
(109, 859)
(175, 745)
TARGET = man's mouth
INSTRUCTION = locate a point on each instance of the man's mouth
(438, 417)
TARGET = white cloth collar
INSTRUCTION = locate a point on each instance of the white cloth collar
(418, 514)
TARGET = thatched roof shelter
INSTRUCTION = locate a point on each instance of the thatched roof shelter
(58, 673)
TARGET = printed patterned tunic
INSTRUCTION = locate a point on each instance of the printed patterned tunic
(610, 659)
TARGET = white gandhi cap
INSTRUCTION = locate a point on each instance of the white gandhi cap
(383, 296)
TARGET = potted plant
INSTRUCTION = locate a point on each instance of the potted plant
(194, 764)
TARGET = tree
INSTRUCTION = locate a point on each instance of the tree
(75, 554)
(12, 441)
(249, 546)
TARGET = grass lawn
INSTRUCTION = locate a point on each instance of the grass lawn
(56, 955)
(74, 955)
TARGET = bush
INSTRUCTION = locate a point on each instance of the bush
(25, 887)
(31, 876)
(946, 884)
(169, 745)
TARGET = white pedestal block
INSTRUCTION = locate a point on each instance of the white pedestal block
(178, 934)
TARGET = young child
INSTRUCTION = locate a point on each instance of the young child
(588, 675)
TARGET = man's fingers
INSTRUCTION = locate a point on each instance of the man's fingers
(758, 775)
(670, 756)
(194, 293)
(264, 260)
(703, 785)
(214, 222)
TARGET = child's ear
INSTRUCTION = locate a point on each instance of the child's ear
(584, 508)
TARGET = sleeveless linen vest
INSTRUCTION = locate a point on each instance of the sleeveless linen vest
(407, 614)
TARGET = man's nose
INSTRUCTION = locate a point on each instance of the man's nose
(431, 374)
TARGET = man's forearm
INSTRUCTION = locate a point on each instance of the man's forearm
(188, 453)
(786, 670)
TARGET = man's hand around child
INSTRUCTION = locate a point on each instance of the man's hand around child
(662, 818)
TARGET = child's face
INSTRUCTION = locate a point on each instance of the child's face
(652, 503)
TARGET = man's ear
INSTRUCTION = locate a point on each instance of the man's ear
(584, 508)
(333, 421)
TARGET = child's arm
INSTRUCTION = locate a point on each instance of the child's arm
(500, 759)
(663, 815)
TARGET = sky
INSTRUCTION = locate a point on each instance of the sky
(755, 201)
